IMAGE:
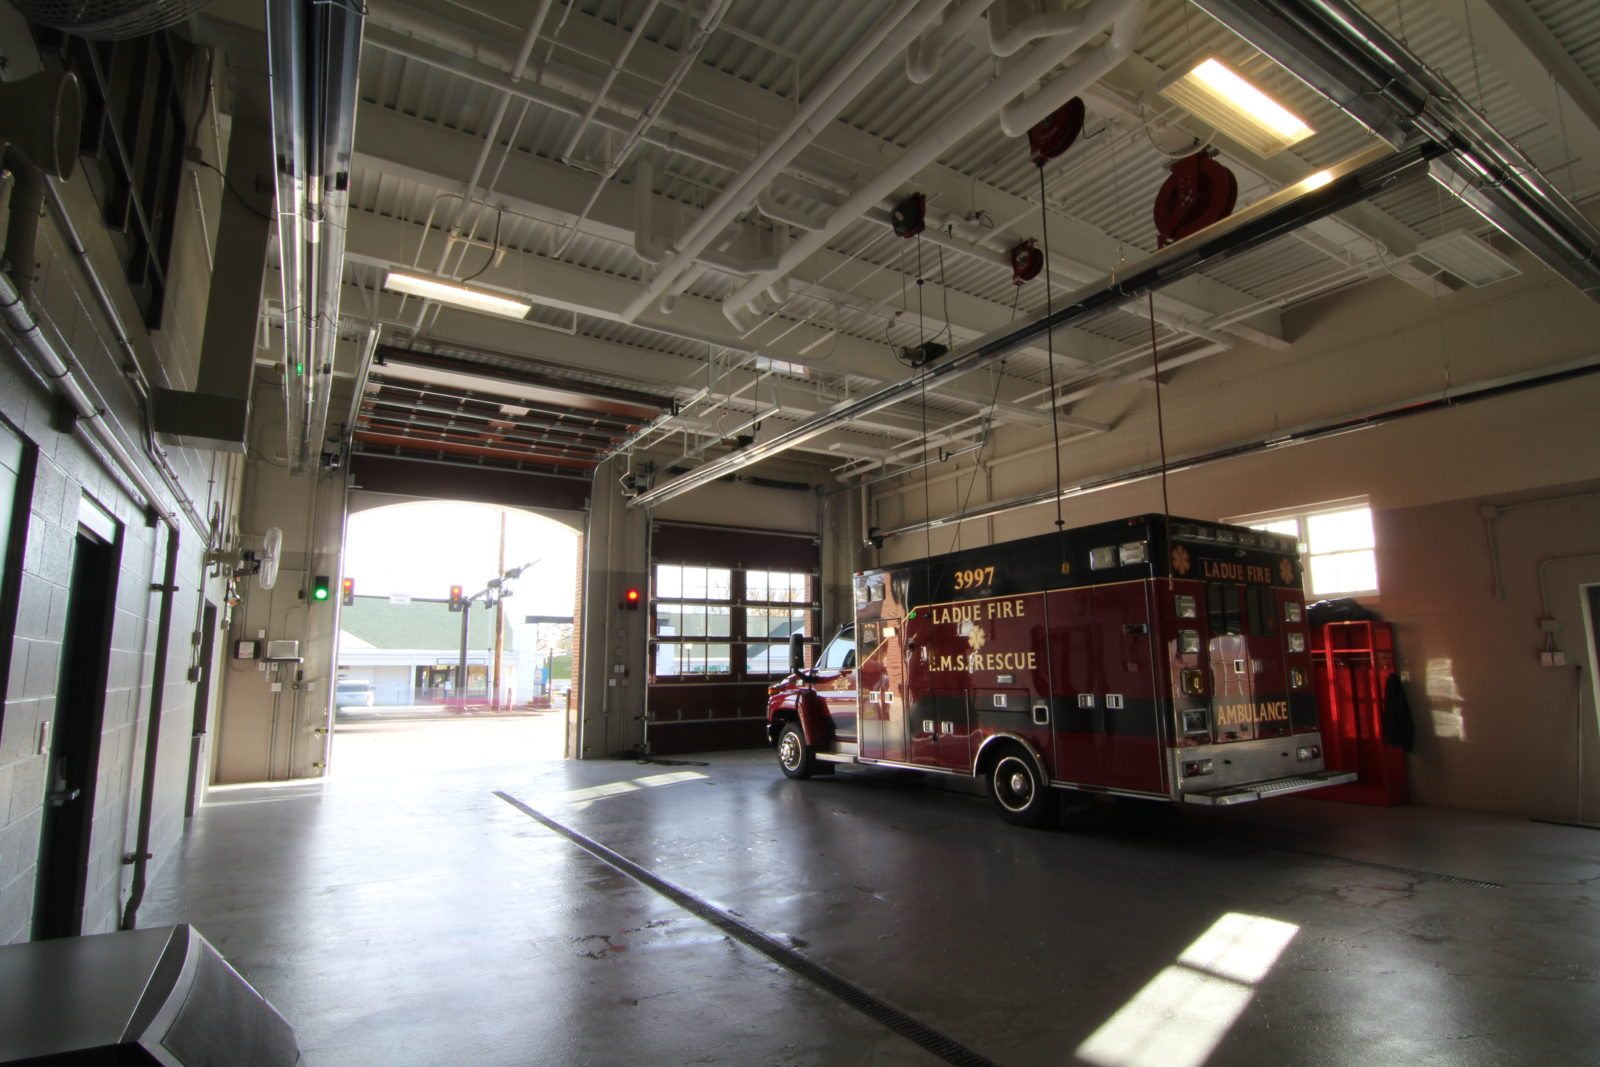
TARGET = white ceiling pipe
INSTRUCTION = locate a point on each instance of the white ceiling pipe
(800, 218)
(1012, 28)
(864, 63)
(922, 58)
(646, 245)
(692, 138)
(1022, 72)
(1022, 113)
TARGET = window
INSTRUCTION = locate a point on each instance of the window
(840, 655)
(693, 620)
(767, 628)
(1336, 544)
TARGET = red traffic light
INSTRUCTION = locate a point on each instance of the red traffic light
(630, 599)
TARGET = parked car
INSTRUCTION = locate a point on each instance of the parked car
(352, 697)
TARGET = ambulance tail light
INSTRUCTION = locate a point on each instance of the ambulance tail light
(1292, 611)
(1103, 557)
(1297, 678)
(1184, 606)
(1308, 752)
(1132, 552)
(1195, 768)
(1193, 682)
(1188, 640)
(1297, 642)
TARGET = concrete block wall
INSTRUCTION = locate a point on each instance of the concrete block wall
(60, 472)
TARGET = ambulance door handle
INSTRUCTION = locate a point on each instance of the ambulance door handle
(1041, 715)
(1114, 701)
(1136, 628)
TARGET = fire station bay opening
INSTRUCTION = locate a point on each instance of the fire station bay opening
(982, 531)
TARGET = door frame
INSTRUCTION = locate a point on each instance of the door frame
(65, 918)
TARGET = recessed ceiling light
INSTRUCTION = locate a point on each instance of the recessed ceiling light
(454, 294)
(1217, 94)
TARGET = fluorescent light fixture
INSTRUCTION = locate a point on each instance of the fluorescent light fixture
(454, 294)
(1217, 94)
(1315, 181)
(1468, 258)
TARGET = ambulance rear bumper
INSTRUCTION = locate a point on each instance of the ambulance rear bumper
(1274, 787)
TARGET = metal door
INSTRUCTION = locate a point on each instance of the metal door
(1133, 739)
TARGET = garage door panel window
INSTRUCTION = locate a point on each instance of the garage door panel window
(767, 630)
(693, 607)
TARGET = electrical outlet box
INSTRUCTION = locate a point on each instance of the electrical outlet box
(276, 687)
(44, 738)
(1553, 659)
(246, 649)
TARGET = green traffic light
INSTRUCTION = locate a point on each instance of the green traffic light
(320, 594)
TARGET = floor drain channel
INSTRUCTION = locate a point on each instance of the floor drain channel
(1427, 876)
(885, 1014)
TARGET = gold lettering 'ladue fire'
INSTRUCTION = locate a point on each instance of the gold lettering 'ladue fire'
(1235, 572)
(1250, 714)
(987, 661)
(979, 611)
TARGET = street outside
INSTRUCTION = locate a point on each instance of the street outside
(431, 743)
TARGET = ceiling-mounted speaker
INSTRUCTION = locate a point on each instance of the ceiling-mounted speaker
(1052, 135)
(1026, 261)
(1199, 191)
(42, 116)
(910, 216)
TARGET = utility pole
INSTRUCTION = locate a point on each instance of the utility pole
(499, 617)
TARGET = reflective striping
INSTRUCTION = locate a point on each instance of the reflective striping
(879, 1011)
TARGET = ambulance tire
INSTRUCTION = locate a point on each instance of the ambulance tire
(794, 755)
(1019, 791)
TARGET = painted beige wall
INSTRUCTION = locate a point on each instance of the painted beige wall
(263, 735)
(1495, 731)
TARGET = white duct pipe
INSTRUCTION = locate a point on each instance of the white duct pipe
(1023, 72)
(1008, 37)
(922, 58)
(646, 245)
(864, 62)
(1024, 112)
(800, 218)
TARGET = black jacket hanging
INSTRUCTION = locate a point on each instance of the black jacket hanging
(1397, 727)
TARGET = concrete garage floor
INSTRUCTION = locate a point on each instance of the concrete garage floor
(424, 920)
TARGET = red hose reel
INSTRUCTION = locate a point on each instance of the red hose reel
(1198, 192)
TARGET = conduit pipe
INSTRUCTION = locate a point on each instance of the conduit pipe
(605, 85)
(1022, 73)
(860, 66)
(924, 54)
(1350, 182)
(686, 61)
(1301, 435)
(91, 417)
(141, 856)
(1024, 112)
(683, 135)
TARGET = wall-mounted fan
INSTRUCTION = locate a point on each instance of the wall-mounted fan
(267, 560)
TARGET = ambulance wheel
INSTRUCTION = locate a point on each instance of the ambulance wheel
(1020, 793)
(794, 756)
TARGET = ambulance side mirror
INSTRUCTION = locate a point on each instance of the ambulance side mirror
(797, 653)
